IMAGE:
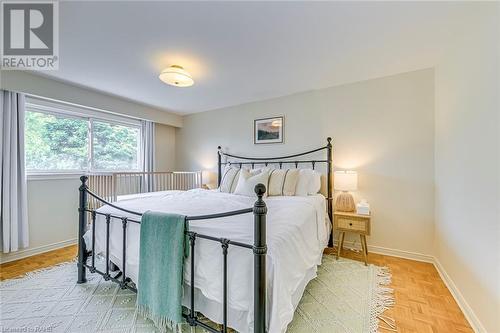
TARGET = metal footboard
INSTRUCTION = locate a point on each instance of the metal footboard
(259, 249)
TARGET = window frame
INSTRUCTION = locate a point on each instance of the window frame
(90, 115)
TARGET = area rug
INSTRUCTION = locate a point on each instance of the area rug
(346, 297)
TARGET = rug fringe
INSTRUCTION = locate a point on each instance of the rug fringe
(390, 322)
(382, 300)
(161, 322)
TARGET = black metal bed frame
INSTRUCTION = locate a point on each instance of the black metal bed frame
(289, 159)
(259, 247)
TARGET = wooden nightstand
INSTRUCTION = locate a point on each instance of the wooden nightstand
(352, 222)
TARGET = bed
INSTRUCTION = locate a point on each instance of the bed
(291, 239)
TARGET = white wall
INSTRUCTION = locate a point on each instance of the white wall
(467, 229)
(383, 128)
(52, 216)
(42, 86)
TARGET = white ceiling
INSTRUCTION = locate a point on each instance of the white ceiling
(240, 52)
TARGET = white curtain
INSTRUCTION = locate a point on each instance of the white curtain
(13, 205)
(148, 152)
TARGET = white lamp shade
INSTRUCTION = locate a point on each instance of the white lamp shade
(346, 180)
(176, 76)
(208, 177)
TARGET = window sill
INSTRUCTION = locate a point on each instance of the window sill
(53, 176)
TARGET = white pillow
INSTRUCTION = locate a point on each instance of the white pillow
(229, 179)
(257, 171)
(235, 181)
(303, 184)
(315, 184)
(247, 182)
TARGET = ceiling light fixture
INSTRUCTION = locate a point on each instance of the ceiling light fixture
(176, 75)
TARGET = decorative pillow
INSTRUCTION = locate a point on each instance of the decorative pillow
(291, 179)
(315, 184)
(303, 184)
(247, 182)
(229, 178)
(283, 182)
(235, 181)
(257, 171)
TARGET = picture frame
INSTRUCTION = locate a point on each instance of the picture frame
(268, 130)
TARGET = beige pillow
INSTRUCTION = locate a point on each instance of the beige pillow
(282, 182)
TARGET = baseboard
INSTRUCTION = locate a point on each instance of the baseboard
(7, 257)
(459, 298)
(392, 252)
(401, 254)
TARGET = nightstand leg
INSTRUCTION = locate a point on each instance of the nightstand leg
(363, 247)
(340, 243)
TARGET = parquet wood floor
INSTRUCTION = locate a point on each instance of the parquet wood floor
(20, 267)
(423, 303)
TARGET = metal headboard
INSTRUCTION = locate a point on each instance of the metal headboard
(294, 159)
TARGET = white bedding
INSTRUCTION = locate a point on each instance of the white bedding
(297, 233)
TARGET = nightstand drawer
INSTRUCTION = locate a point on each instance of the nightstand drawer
(351, 224)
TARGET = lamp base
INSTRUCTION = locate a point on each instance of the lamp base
(345, 202)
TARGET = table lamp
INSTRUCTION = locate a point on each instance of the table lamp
(345, 181)
(208, 180)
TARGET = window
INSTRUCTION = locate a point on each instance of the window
(62, 138)
(56, 143)
(114, 146)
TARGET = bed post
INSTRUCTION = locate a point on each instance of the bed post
(219, 165)
(259, 250)
(82, 223)
(330, 186)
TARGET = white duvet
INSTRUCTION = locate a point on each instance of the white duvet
(297, 233)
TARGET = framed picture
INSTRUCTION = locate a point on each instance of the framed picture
(268, 130)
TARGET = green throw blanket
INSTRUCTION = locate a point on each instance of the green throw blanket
(163, 248)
